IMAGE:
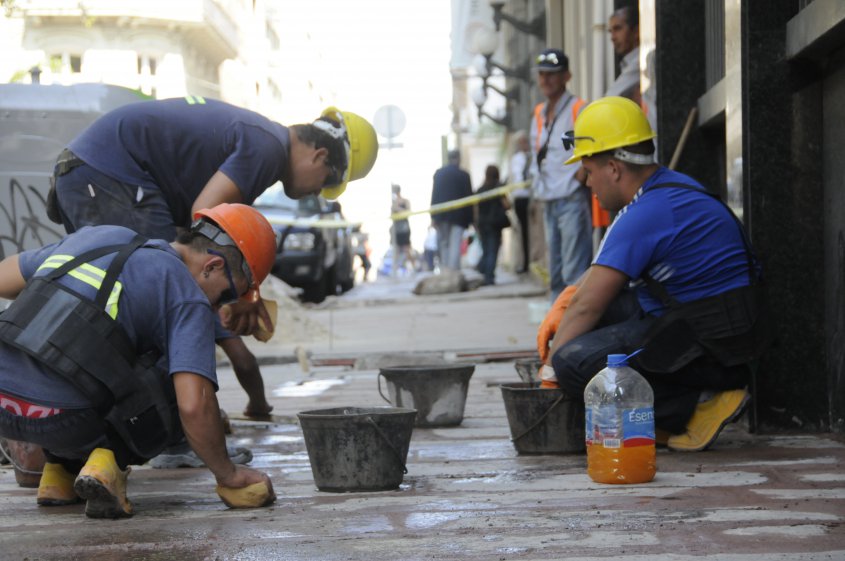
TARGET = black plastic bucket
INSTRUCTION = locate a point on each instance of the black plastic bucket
(543, 421)
(438, 393)
(356, 448)
(528, 369)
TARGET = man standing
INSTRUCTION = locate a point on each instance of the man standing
(107, 353)
(149, 166)
(624, 27)
(520, 163)
(565, 198)
(451, 183)
(695, 310)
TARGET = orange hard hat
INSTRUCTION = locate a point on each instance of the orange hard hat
(248, 230)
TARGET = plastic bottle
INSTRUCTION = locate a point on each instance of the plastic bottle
(619, 409)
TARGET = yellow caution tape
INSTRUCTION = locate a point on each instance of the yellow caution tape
(312, 222)
(435, 209)
(466, 201)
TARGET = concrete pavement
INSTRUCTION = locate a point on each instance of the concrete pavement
(468, 495)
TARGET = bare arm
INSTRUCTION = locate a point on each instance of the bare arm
(599, 286)
(11, 280)
(219, 189)
(203, 428)
(248, 374)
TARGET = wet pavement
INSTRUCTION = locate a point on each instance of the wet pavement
(467, 495)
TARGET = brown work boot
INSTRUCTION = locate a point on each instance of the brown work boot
(56, 487)
(708, 420)
(103, 485)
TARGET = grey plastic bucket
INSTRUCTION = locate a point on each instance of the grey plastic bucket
(437, 392)
(356, 448)
(543, 421)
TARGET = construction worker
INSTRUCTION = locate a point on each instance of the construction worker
(695, 306)
(150, 165)
(107, 353)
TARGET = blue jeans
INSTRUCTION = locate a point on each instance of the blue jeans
(622, 329)
(449, 238)
(569, 238)
(491, 241)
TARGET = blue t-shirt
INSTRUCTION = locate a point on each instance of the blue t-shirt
(686, 240)
(175, 146)
(160, 307)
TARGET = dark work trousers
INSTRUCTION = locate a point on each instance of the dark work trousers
(520, 206)
(622, 330)
(89, 198)
(491, 241)
(69, 437)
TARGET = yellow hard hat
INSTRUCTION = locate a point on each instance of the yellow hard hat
(607, 123)
(361, 148)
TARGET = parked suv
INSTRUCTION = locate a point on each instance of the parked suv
(315, 252)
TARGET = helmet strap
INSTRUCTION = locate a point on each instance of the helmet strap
(632, 158)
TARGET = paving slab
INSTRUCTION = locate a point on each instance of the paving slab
(467, 495)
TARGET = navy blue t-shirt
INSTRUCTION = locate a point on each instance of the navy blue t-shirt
(176, 146)
(160, 306)
(686, 240)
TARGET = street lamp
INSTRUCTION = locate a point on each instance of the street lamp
(479, 98)
(536, 27)
(486, 42)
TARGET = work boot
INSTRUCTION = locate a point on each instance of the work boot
(708, 420)
(27, 459)
(56, 487)
(181, 455)
(103, 485)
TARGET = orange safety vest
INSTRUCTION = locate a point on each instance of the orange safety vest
(601, 218)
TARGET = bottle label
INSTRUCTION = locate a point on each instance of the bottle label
(611, 428)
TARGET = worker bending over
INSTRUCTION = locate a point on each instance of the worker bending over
(107, 353)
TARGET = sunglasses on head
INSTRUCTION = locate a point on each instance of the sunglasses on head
(568, 139)
(548, 57)
(229, 295)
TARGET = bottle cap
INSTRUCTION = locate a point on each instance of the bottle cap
(617, 360)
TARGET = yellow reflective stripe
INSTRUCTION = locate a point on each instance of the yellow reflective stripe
(195, 99)
(90, 275)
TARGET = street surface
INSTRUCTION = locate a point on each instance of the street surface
(467, 495)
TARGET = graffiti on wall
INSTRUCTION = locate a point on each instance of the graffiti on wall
(23, 220)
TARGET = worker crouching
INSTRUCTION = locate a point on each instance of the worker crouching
(107, 353)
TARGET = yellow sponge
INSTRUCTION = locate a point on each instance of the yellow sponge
(251, 496)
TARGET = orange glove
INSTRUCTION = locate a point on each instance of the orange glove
(552, 320)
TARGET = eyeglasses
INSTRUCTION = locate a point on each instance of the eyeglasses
(335, 175)
(218, 236)
(230, 295)
(548, 57)
(568, 138)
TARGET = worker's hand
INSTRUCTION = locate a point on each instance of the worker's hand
(246, 488)
(552, 321)
(258, 410)
(241, 318)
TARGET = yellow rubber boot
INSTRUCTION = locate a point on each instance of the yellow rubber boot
(103, 485)
(56, 487)
(708, 420)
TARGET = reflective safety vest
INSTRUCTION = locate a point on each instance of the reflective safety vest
(81, 341)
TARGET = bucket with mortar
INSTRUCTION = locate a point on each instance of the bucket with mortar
(543, 421)
(437, 392)
(357, 448)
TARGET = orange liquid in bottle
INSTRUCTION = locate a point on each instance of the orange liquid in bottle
(635, 464)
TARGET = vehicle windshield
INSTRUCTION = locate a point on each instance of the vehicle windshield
(275, 197)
